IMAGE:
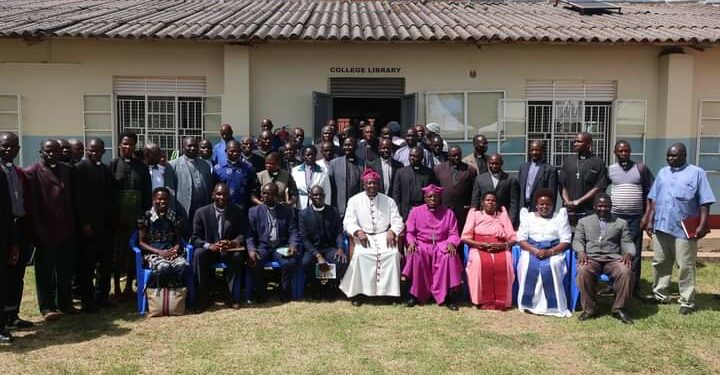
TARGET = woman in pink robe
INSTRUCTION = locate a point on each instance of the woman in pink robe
(490, 235)
(432, 263)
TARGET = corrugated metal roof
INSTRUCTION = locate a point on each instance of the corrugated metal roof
(337, 20)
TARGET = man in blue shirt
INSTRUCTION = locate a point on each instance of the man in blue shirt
(238, 175)
(226, 135)
(680, 191)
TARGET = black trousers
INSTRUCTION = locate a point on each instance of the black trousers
(16, 273)
(205, 273)
(3, 286)
(54, 271)
(95, 262)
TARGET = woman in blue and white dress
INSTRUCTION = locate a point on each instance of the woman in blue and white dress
(543, 236)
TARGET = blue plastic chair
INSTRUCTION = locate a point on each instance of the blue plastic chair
(142, 275)
(297, 289)
(574, 290)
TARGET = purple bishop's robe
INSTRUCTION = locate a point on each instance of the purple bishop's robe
(431, 270)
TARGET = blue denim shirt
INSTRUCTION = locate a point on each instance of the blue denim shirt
(678, 193)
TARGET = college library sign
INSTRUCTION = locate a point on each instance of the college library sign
(364, 70)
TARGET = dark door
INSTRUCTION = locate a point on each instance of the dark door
(408, 110)
(322, 111)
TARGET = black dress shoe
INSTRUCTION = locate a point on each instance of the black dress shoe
(17, 323)
(357, 301)
(452, 307)
(412, 302)
(105, 304)
(70, 311)
(5, 337)
(248, 302)
(90, 309)
(686, 310)
(622, 316)
(586, 316)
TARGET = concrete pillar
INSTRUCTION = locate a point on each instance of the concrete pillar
(676, 96)
(236, 79)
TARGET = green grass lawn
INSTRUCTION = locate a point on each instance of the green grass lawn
(325, 338)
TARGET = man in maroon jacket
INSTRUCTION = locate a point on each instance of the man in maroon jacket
(53, 223)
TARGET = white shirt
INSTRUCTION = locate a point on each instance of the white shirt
(157, 176)
(542, 229)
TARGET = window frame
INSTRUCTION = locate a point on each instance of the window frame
(700, 137)
(465, 93)
(18, 113)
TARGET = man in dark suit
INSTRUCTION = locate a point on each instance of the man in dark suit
(386, 166)
(53, 231)
(8, 252)
(272, 236)
(247, 146)
(505, 186)
(367, 149)
(322, 232)
(344, 173)
(536, 174)
(94, 202)
(409, 181)
(19, 200)
(457, 178)
(218, 236)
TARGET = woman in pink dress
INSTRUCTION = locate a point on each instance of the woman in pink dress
(432, 263)
(490, 235)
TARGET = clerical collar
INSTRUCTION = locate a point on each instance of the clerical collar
(127, 160)
(584, 156)
(274, 174)
(98, 163)
(415, 167)
(678, 169)
(9, 164)
(52, 166)
(351, 158)
(318, 209)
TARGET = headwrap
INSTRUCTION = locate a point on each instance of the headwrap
(370, 175)
(433, 127)
(431, 189)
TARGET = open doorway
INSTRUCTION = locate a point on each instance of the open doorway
(379, 110)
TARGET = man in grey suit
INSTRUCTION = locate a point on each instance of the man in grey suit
(386, 166)
(344, 173)
(536, 174)
(603, 244)
(194, 180)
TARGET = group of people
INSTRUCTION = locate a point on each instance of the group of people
(406, 204)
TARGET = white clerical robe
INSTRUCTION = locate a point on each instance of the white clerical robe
(373, 270)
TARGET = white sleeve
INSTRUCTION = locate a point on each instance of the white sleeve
(327, 189)
(350, 222)
(396, 221)
(523, 232)
(564, 229)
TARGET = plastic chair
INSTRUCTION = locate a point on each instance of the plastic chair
(142, 275)
(297, 288)
(574, 290)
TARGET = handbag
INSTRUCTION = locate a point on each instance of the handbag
(166, 301)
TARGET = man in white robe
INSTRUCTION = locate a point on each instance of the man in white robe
(373, 220)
